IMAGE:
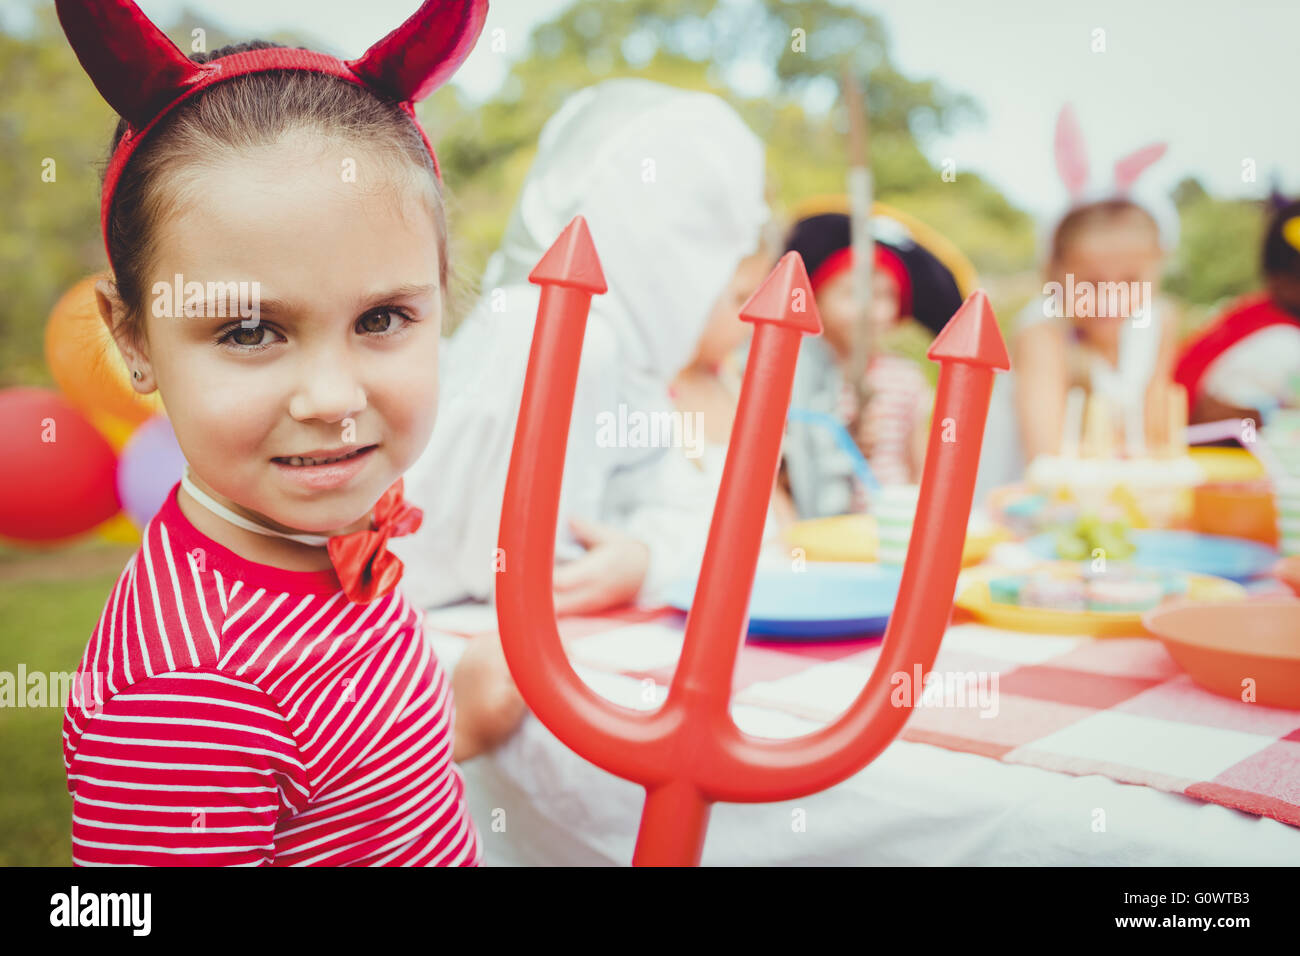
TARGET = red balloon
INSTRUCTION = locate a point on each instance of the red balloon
(57, 471)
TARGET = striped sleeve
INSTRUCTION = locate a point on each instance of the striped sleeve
(189, 768)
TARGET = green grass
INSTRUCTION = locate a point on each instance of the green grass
(44, 624)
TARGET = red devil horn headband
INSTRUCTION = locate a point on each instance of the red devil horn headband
(143, 75)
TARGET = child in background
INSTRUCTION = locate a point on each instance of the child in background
(909, 280)
(1120, 354)
(671, 184)
(267, 696)
(710, 386)
(1087, 329)
(1247, 363)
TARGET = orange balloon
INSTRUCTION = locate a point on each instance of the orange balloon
(85, 361)
(117, 431)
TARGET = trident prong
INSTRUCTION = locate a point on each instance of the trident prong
(689, 753)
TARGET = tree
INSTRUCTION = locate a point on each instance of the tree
(778, 63)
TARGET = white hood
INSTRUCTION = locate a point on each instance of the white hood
(671, 184)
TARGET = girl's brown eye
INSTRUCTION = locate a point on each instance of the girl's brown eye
(384, 322)
(253, 336)
(382, 314)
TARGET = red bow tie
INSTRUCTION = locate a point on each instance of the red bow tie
(364, 565)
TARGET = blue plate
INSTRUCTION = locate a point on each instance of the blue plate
(823, 600)
(1233, 558)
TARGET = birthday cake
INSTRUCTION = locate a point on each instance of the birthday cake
(1142, 482)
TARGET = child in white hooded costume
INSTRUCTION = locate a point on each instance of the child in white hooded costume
(671, 185)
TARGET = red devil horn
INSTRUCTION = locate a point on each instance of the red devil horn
(421, 54)
(131, 62)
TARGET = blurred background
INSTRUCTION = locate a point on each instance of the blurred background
(962, 100)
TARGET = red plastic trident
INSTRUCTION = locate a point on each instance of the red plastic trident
(689, 754)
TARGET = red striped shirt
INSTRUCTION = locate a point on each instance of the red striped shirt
(247, 715)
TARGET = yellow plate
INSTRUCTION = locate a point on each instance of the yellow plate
(975, 599)
(853, 538)
(1227, 464)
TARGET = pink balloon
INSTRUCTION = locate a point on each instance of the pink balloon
(151, 465)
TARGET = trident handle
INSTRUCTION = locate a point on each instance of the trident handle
(689, 754)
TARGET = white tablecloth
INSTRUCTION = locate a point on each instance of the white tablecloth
(537, 803)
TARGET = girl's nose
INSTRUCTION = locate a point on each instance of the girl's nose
(327, 391)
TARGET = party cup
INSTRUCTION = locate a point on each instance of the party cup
(1288, 515)
(894, 513)
(1239, 509)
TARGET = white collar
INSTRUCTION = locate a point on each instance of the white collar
(221, 511)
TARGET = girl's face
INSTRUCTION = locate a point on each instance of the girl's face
(1124, 250)
(344, 354)
(725, 332)
(839, 310)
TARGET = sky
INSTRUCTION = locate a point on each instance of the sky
(1215, 80)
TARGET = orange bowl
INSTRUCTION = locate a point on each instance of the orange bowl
(1240, 509)
(1222, 646)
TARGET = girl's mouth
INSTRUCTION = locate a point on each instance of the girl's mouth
(324, 474)
(297, 461)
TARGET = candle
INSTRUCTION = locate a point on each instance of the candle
(1176, 401)
(1099, 428)
(1072, 433)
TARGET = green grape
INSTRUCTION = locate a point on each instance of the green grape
(1071, 547)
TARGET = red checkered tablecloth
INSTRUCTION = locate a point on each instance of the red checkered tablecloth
(1119, 707)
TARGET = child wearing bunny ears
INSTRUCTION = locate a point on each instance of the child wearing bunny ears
(1118, 234)
(262, 692)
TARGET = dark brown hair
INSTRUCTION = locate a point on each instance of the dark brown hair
(251, 110)
(1083, 218)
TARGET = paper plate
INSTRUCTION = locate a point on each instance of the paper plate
(975, 599)
(853, 538)
(823, 600)
(1233, 558)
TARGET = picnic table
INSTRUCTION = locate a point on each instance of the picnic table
(1027, 749)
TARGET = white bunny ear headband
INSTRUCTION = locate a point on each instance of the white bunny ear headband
(1126, 181)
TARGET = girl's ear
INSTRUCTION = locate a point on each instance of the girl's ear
(1071, 154)
(112, 311)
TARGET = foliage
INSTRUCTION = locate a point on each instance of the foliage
(1219, 248)
(778, 62)
(783, 83)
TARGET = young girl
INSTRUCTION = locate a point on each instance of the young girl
(258, 691)
(709, 386)
(671, 183)
(1099, 324)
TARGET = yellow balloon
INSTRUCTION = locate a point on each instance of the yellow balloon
(119, 529)
(116, 430)
(85, 361)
